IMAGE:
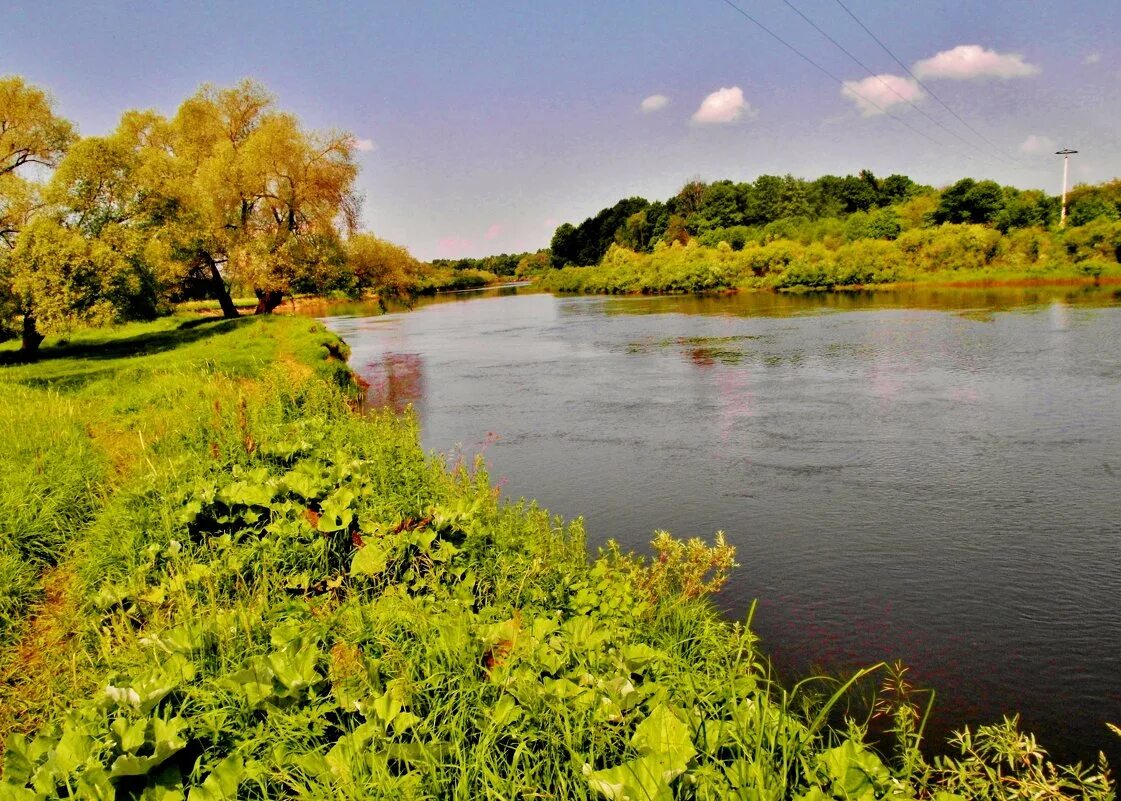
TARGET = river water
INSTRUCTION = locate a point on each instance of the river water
(929, 475)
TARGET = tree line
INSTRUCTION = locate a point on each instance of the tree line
(785, 207)
(230, 192)
(505, 265)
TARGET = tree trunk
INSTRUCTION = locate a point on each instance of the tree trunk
(219, 288)
(267, 300)
(31, 336)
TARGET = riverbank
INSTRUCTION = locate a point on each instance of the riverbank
(951, 254)
(263, 590)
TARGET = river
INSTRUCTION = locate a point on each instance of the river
(931, 475)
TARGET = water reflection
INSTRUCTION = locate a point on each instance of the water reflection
(975, 302)
(396, 381)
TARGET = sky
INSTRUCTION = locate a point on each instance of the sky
(482, 125)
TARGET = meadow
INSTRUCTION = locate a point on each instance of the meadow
(223, 578)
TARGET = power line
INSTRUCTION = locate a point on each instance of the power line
(907, 69)
(826, 72)
(879, 78)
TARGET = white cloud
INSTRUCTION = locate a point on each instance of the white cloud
(364, 145)
(1093, 58)
(1036, 145)
(884, 91)
(723, 106)
(654, 103)
(966, 62)
(494, 231)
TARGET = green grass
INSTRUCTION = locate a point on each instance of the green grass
(269, 596)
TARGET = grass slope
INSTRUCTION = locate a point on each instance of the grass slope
(229, 585)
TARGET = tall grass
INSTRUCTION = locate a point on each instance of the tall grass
(50, 480)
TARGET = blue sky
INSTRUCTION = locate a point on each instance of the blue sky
(492, 121)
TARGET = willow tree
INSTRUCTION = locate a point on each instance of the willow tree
(82, 259)
(263, 199)
(381, 265)
(65, 279)
(31, 136)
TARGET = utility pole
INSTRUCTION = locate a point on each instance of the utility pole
(1066, 153)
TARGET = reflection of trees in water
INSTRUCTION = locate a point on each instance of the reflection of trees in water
(396, 380)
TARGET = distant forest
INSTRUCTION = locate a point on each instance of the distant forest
(785, 207)
(832, 210)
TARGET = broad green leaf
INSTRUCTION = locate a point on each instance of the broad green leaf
(294, 667)
(639, 655)
(403, 722)
(855, 772)
(663, 734)
(371, 559)
(222, 783)
(15, 792)
(128, 736)
(644, 779)
(255, 682)
(505, 712)
(504, 633)
(166, 741)
(246, 493)
(305, 480)
(337, 512)
(94, 784)
(388, 704)
(144, 692)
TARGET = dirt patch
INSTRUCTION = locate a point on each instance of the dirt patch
(43, 672)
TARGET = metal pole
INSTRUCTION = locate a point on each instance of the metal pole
(1066, 153)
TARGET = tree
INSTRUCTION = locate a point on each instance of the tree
(533, 264)
(970, 201)
(585, 244)
(263, 199)
(635, 232)
(676, 230)
(563, 245)
(61, 278)
(380, 265)
(31, 134)
(896, 189)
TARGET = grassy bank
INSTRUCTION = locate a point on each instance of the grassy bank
(260, 594)
(949, 254)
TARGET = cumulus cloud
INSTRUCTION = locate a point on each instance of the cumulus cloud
(883, 91)
(654, 103)
(966, 62)
(723, 106)
(364, 145)
(1093, 58)
(494, 232)
(1036, 145)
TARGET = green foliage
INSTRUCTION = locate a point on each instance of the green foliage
(790, 233)
(502, 264)
(970, 201)
(588, 242)
(953, 252)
